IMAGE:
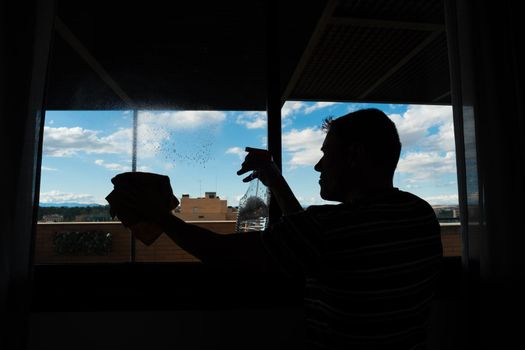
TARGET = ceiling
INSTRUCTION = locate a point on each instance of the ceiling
(214, 55)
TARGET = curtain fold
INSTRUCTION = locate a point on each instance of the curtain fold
(25, 37)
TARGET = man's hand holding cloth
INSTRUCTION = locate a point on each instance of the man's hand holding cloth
(142, 200)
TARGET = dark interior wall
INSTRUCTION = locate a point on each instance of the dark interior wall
(17, 24)
(250, 328)
(25, 29)
(194, 329)
(501, 96)
(501, 60)
(486, 50)
(496, 84)
(3, 153)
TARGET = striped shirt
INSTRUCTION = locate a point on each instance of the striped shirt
(370, 268)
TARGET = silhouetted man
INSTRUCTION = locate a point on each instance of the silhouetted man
(369, 264)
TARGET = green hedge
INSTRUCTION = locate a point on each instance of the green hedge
(83, 243)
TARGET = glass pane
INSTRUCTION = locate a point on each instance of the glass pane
(82, 151)
(427, 166)
(201, 152)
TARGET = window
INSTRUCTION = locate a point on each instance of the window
(200, 151)
(82, 150)
(427, 166)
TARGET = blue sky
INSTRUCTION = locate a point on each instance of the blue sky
(202, 150)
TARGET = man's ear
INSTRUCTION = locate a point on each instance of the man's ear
(356, 155)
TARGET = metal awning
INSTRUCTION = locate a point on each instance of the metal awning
(213, 54)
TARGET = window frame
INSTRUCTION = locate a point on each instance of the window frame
(179, 286)
(144, 286)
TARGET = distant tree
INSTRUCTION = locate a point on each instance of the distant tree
(70, 213)
(253, 208)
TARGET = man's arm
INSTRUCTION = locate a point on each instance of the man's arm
(283, 194)
(235, 251)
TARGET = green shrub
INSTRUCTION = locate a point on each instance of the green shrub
(82, 243)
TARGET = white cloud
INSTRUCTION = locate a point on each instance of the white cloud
(154, 128)
(264, 142)
(292, 107)
(318, 105)
(240, 152)
(443, 140)
(62, 197)
(66, 142)
(252, 120)
(427, 137)
(150, 139)
(443, 199)
(258, 119)
(46, 168)
(182, 119)
(303, 146)
(113, 166)
(413, 127)
(352, 107)
(427, 165)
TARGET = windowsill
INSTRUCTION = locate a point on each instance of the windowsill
(85, 283)
(180, 286)
(156, 286)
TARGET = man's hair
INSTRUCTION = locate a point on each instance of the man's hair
(373, 130)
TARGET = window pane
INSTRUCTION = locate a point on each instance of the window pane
(82, 150)
(201, 152)
(427, 166)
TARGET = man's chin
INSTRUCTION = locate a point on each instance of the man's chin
(327, 196)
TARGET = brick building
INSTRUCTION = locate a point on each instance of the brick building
(207, 208)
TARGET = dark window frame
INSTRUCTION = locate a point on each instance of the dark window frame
(178, 286)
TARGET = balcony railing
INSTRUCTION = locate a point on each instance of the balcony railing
(164, 249)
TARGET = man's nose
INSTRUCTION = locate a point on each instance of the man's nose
(317, 167)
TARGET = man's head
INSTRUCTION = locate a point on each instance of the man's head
(360, 154)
